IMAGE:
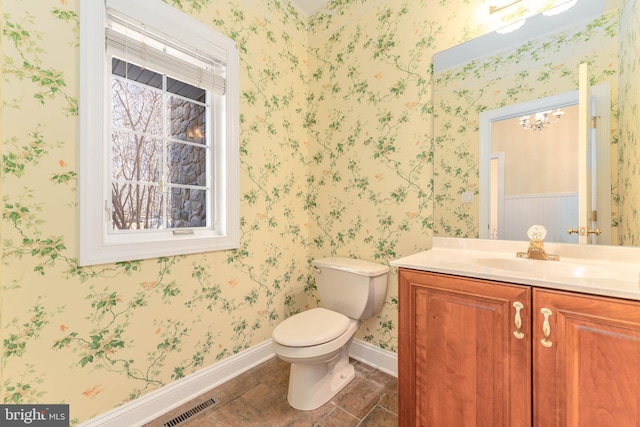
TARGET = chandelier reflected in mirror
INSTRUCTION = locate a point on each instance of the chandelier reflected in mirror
(541, 120)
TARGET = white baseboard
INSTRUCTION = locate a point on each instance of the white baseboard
(152, 405)
(376, 357)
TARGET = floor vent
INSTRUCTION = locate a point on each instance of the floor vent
(190, 413)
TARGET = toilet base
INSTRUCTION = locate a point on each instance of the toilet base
(313, 385)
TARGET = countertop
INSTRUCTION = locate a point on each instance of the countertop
(599, 270)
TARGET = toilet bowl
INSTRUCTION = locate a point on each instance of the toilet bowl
(318, 372)
(316, 342)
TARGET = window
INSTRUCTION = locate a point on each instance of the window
(158, 133)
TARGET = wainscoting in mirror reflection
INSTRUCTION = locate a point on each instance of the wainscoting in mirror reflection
(539, 68)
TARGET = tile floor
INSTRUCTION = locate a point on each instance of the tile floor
(258, 398)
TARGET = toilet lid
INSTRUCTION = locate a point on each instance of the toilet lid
(311, 327)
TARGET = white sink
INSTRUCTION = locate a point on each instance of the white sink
(546, 268)
(598, 269)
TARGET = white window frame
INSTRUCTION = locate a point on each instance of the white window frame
(97, 244)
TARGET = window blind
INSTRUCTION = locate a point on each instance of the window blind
(149, 48)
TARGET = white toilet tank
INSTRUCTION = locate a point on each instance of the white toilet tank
(353, 287)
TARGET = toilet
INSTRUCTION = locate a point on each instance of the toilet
(316, 342)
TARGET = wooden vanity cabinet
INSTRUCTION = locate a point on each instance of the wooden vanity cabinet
(470, 356)
(588, 373)
(459, 361)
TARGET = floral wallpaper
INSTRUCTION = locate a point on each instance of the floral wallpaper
(336, 159)
(95, 337)
(629, 134)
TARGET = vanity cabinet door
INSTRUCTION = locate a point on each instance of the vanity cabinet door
(586, 369)
(460, 362)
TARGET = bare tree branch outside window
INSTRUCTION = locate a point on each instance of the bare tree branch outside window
(159, 151)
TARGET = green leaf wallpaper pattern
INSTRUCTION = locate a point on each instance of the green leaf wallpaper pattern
(97, 336)
(629, 131)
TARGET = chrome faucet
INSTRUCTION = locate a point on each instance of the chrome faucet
(536, 234)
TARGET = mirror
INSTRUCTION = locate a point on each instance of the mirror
(538, 61)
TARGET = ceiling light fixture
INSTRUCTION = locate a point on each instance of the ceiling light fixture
(541, 120)
(498, 5)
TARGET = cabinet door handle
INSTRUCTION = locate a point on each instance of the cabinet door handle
(518, 320)
(546, 328)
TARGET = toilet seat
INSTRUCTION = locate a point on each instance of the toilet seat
(310, 328)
